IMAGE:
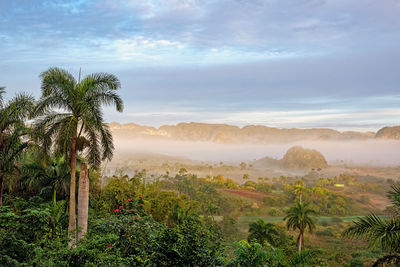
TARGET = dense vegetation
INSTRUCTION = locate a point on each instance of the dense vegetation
(59, 209)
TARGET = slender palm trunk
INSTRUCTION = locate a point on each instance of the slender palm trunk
(300, 241)
(1, 189)
(72, 204)
(83, 201)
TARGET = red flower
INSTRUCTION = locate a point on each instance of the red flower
(141, 196)
(115, 211)
(128, 200)
(108, 245)
(136, 218)
(131, 209)
(142, 205)
(120, 207)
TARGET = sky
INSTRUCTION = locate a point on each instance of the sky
(280, 63)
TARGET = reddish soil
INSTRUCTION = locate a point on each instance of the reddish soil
(258, 196)
(379, 202)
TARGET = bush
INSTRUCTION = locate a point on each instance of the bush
(325, 232)
(273, 212)
(336, 220)
(323, 223)
(356, 263)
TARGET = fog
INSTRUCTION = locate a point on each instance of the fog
(371, 152)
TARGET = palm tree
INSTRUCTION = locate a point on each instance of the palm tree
(12, 130)
(383, 233)
(262, 232)
(45, 175)
(299, 189)
(83, 200)
(78, 120)
(298, 218)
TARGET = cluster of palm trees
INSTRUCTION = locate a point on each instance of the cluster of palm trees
(67, 121)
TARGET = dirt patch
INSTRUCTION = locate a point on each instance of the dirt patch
(258, 196)
(379, 202)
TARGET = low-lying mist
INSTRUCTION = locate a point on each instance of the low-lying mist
(371, 152)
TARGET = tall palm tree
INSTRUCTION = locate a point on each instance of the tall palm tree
(299, 217)
(383, 233)
(299, 189)
(83, 200)
(12, 131)
(263, 232)
(70, 115)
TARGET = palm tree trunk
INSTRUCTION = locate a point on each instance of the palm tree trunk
(1, 189)
(72, 200)
(83, 201)
(300, 241)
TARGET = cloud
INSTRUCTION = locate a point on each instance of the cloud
(252, 57)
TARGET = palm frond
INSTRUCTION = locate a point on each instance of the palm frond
(378, 232)
(99, 89)
(94, 153)
(394, 195)
(56, 81)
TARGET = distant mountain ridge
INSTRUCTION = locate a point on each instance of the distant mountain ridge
(230, 134)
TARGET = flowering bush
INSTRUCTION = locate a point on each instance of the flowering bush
(132, 208)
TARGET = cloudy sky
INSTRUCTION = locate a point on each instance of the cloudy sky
(282, 63)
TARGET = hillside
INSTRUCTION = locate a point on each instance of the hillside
(302, 158)
(388, 133)
(223, 133)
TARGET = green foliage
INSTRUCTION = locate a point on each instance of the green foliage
(356, 263)
(42, 177)
(383, 233)
(117, 191)
(264, 187)
(254, 254)
(325, 232)
(323, 200)
(22, 235)
(379, 232)
(189, 244)
(306, 258)
(13, 133)
(80, 113)
(262, 232)
(249, 255)
(299, 217)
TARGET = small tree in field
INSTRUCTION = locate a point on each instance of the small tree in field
(299, 218)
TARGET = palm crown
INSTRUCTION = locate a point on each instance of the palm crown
(81, 118)
(261, 232)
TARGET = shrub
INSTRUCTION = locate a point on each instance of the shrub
(336, 220)
(325, 232)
